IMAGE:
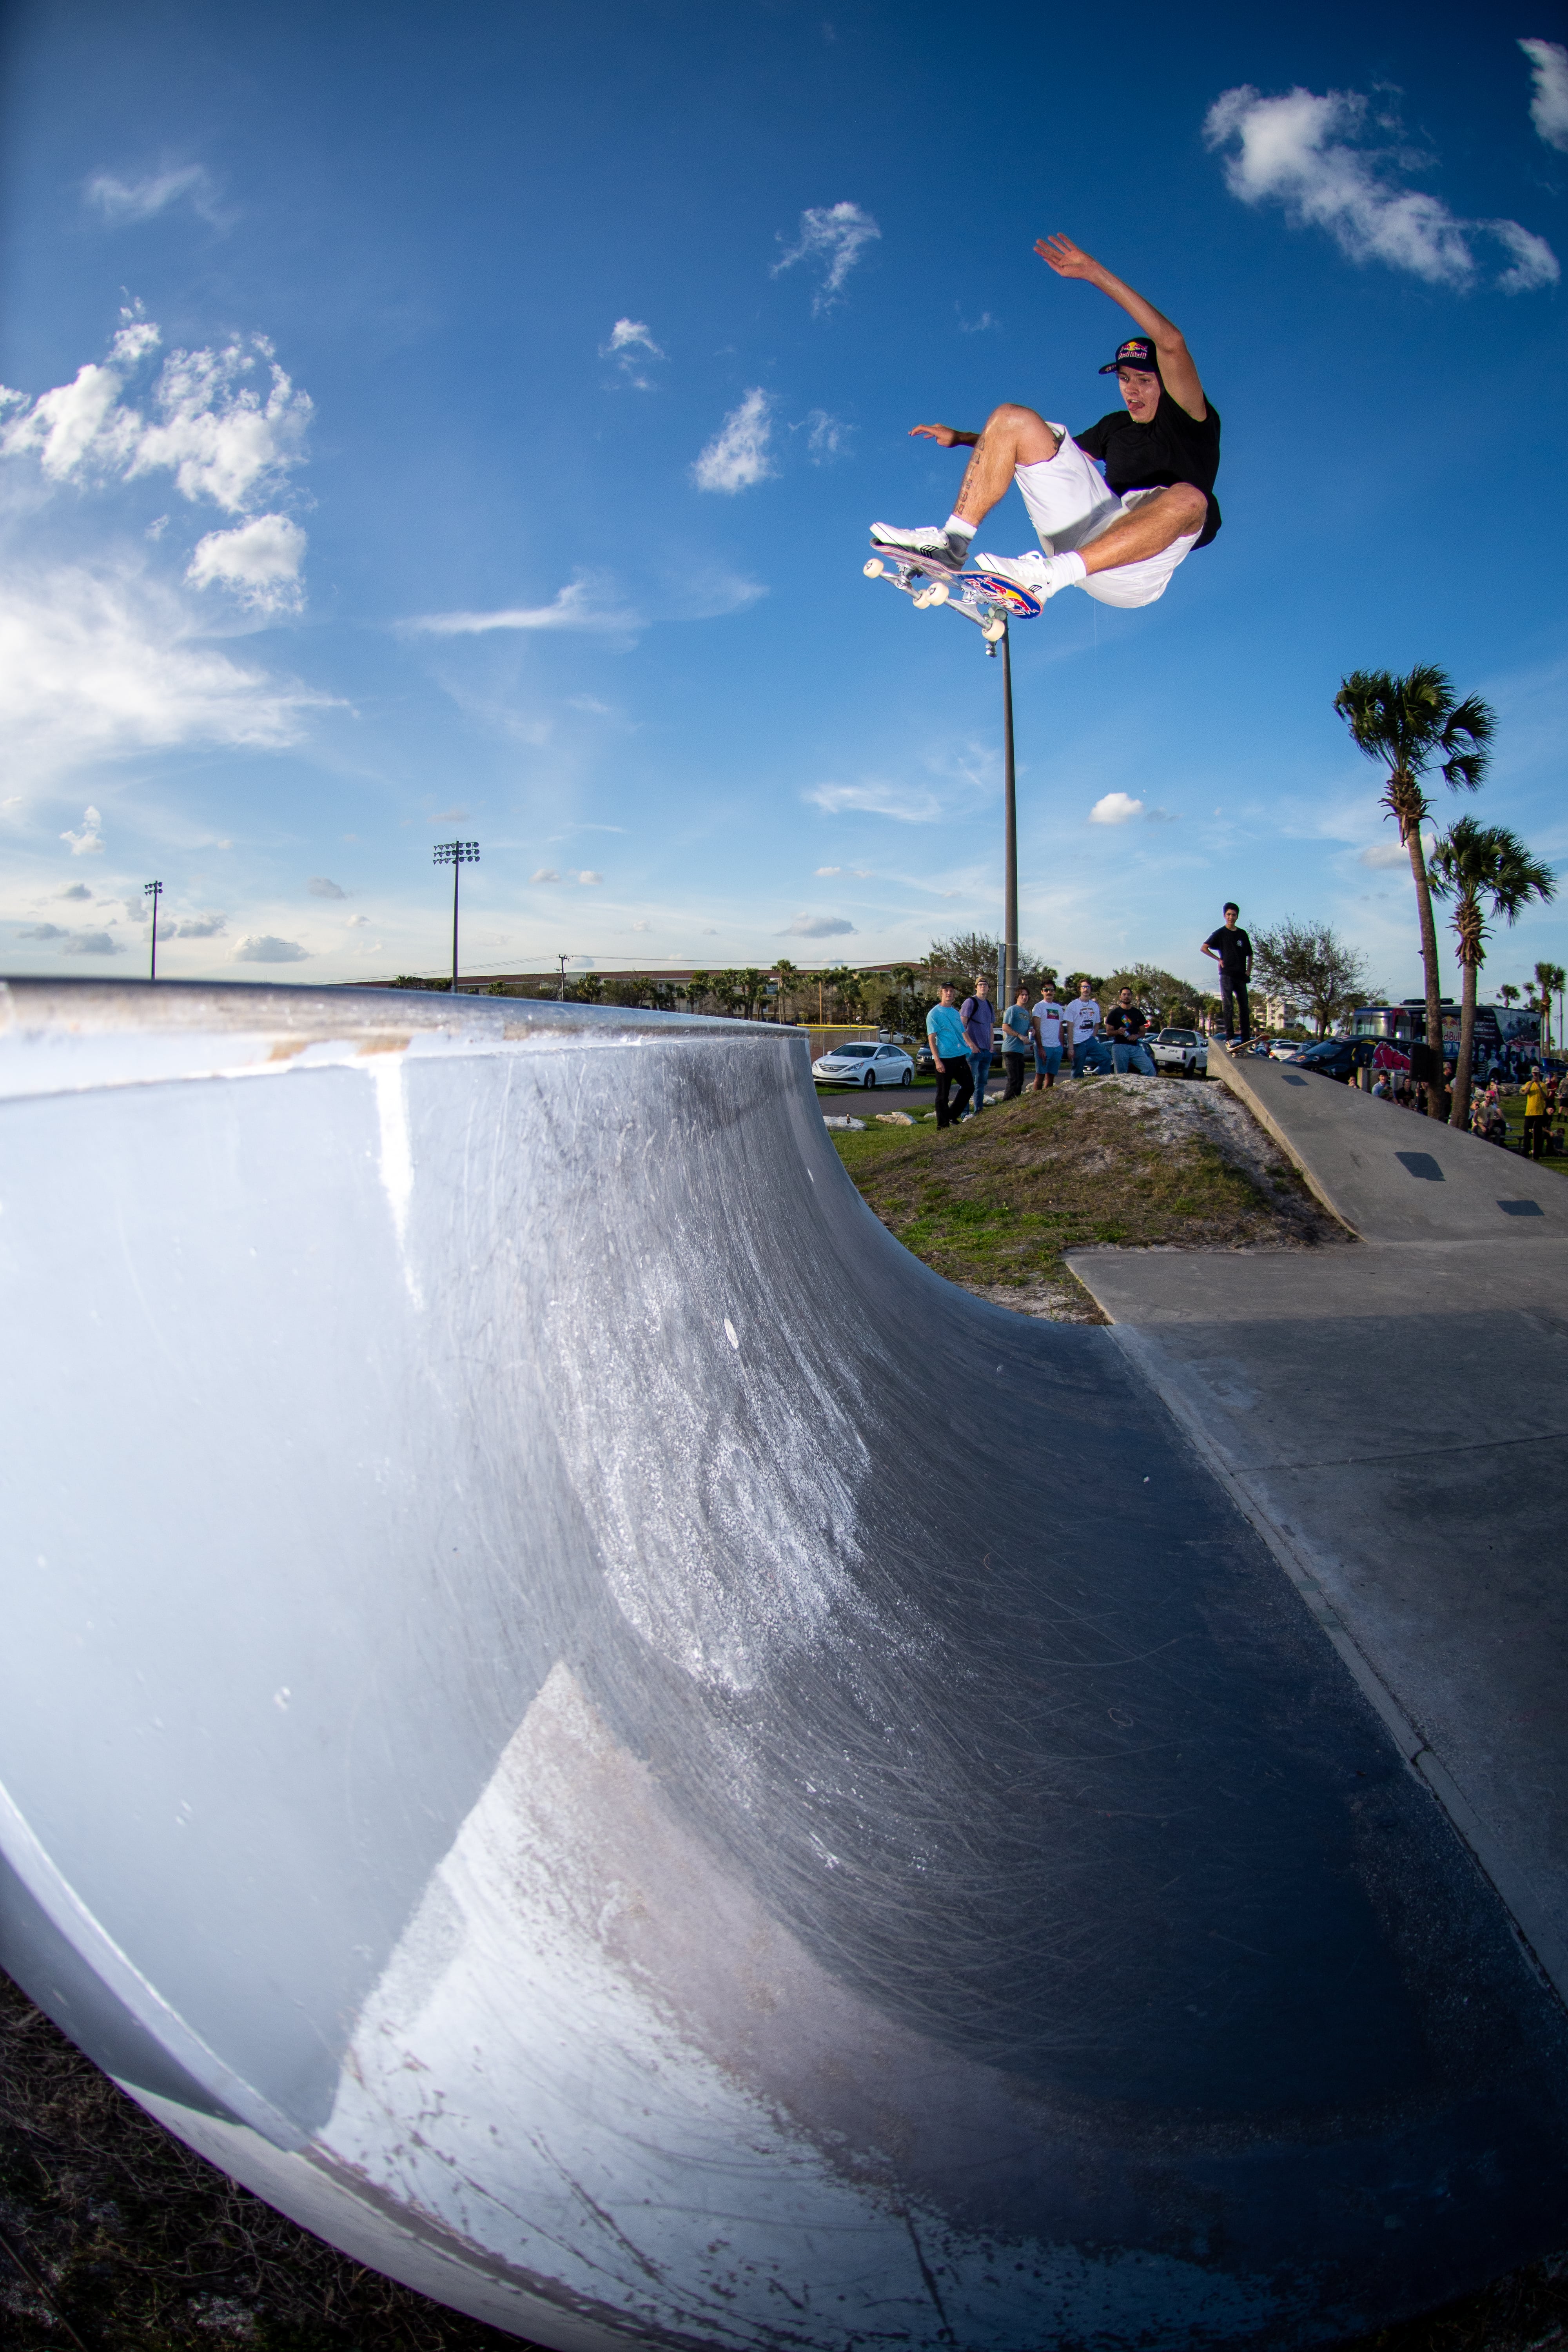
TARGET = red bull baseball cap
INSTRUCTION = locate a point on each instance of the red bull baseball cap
(1137, 351)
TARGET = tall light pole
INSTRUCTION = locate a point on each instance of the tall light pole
(153, 891)
(456, 854)
(1007, 961)
(561, 984)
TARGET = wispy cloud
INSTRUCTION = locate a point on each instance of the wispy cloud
(1549, 104)
(910, 807)
(833, 236)
(99, 661)
(138, 200)
(1310, 156)
(984, 325)
(826, 436)
(320, 885)
(631, 347)
(259, 560)
(587, 602)
(816, 926)
(737, 456)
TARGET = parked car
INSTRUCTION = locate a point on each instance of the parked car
(1334, 1058)
(1183, 1051)
(1282, 1049)
(865, 1065)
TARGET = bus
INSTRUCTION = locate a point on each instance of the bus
(1504, 1032)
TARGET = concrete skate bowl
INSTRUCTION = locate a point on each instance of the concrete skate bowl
(543, 1730)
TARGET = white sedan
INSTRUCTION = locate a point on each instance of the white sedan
(865, 1065)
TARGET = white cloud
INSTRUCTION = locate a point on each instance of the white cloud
(834, 236)
(830, 869)
(319, 887)
(259, 560)
(587, 879)
(195, 926)
(73, 890)
(877, 800)
(1549, 104)
(544, 873)
(219, 435)
(1385, 853)
(139, 200)
(42, 931)
(1115, 808)
(92, 943)
(266, 949)
(631, 347)
(642, 927)
(98, 662)
(356, 922)
(586, 602)
(737, 456)
(827, 436)
(816, 926)
(985, 324)
(88, 842)
(1308, 155)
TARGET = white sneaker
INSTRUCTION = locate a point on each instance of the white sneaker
(1037, 575)
(931, 545)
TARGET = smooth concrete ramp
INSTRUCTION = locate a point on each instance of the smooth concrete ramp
(1391, 1416)
(1386, 1172)
(536, 1730)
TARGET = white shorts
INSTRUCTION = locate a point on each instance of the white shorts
(1070, 505)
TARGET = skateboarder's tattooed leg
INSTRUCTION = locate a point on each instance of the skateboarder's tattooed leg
(1154, 524)
(1012, 437)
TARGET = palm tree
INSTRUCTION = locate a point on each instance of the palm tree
(1483, 869)
(1508, 993)
(1549, 976)
(1408, 724)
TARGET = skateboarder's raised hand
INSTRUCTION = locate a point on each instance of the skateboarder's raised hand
(1177, 373)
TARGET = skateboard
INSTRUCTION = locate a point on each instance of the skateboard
(982, 597)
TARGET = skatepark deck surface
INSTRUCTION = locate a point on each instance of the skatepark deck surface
(535, 1731)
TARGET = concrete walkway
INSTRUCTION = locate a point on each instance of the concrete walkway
(1389, 1417)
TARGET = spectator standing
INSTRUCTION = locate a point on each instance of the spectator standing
(1083, 1025)
(1534, 1117)
(950, 1053)
(1048, 1022)
(1231, 951)
(1017, 1031)
(1127, 1021)
(980, 1028)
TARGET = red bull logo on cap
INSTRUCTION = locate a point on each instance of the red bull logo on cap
(1138, 352)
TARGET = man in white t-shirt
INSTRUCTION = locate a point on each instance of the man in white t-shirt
(1045, 1021)
(1083, 1021)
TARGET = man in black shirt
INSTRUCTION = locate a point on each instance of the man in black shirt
(1231, 951)
(1120, 537)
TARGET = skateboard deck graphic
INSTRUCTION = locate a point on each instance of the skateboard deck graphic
(983, 598)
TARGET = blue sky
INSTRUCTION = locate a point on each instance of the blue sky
(484, 408)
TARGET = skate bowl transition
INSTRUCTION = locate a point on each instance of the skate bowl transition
(581, 1722)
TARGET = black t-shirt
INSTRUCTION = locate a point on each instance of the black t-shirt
(1233, 948)
(1171, 447)
(1127, 1020)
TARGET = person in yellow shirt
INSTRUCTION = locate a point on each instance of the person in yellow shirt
(1534, 1117)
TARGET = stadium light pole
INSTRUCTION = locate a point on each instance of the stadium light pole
(456, 854)
(153, 891)
(561, 984)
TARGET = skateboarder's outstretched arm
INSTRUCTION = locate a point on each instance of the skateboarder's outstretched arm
(1177, 373)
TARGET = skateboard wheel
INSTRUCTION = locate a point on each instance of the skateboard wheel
(874, 568)
(938, 594)
(993, 632)
(922, 598)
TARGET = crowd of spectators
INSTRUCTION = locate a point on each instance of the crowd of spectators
(963, 1039)
(1543, 1095)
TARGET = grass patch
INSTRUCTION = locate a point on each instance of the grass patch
(139, 2246)
(998, 1201)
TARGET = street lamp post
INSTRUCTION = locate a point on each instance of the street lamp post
(561, 984)
(153, 891)
(1007, 961)
(456, 854)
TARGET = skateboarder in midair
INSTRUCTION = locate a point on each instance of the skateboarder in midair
(1118, 539)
